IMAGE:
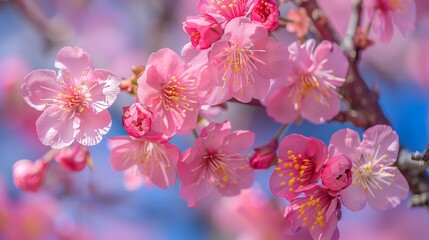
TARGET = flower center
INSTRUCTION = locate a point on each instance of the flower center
(301, 170)
(175, 95)
(263, 9)
(229, 8)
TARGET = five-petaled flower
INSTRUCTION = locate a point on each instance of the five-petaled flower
(309, 88)
(216, 162)
(375, 179)
(74, 103)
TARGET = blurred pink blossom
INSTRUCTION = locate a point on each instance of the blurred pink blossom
(385, 13)
(265, 156)
(300, 162)
(375, 179)
(300, 22)
(73, 158)
(28, 175)
(216, 162)
(74, 103)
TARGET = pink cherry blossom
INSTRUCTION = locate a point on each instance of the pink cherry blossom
(336, 173)
(300, 22)
(375, 179)
(246, 59)
(265, 156)
(170, 93)
(300, 164)
(74, 103)
(73, 158)
(309, 89)
(215, 162)
(136, 120)
(385, 13)
(267, 13)
(204, 30)
(28, 175)
(155, 160)
(319, 211)
(225, 9)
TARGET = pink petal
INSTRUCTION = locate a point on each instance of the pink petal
(74, 59)
(167, 63)
(191, 166)
(274, 56)
(391, 195)
(337, 63)
(406, 20)
(237, 142)
(105, 91)
(354, 197)
(39, 85)
(162, 174)
(279, 105)
(345, 141)
(195, 192)
(212, 136)
(56, 128)
(194, 59)
(320, 106)
(381, 142)
(120, 152)
(243, 31)
(244, 180)
(92, 127)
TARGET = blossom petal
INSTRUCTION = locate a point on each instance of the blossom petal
(120, 150)
(190, 167)
(347, 142)
(74, 59)
(381, 143)
(406, 20)
(195, 192)
(38, 86)
(237, 142)
(354, 197)
(56, 128)
(93, 127)
(320, 106)
(104, 88)
(390, 195)
(280, 106)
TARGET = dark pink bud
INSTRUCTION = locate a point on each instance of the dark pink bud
(204, 30)
(267, 13)
(28, 175)
(337, 174)
(265, 156)
(136, 120)
(73, 158)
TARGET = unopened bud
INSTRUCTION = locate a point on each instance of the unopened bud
(337, 174)
(28, 175)
(136, 120)
(265, 156)
(73, 158)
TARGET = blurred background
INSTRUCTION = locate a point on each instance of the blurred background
(121, 33)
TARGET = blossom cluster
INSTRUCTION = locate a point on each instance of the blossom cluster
(232, 56)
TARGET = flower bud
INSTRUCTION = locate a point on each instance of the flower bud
(337, 174)
(28, 175)
(203, 29)
(136, 120)
(265, 156)
(73, 158)
(267, 13)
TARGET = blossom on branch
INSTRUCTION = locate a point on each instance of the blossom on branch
(309, 88)
(74, 103)
(215, 162)
(375, 178)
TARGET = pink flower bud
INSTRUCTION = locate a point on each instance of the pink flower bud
(203, 29)
(265, 156)
(267, 13)
(28, 175)
(73, 158)
(136, 120)
(337, 174)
